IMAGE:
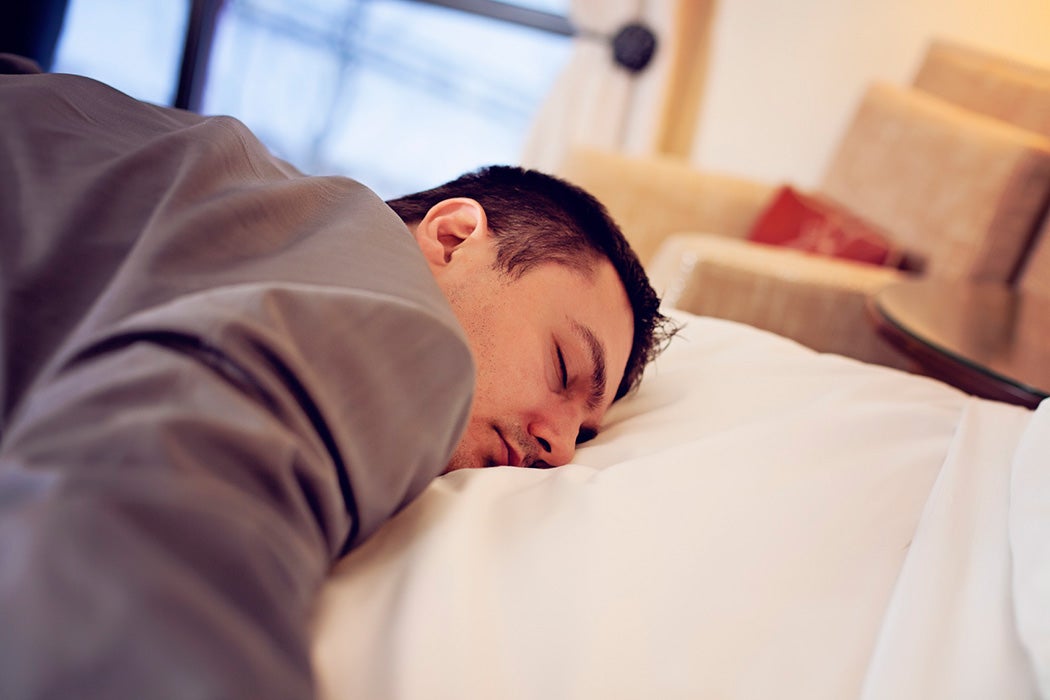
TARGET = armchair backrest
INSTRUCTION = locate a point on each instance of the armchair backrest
(1006, 89)
(962, 191)
(1035, 275)
(987, 83)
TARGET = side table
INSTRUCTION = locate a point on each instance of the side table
(989, 340)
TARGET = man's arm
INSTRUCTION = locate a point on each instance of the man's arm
(168, 508)
(152, 539)
(215, 374)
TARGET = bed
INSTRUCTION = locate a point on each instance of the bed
(758, 521)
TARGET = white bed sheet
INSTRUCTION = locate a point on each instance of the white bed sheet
(757, 521)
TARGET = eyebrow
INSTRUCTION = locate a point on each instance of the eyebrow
(597, 392)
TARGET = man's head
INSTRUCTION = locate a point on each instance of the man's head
(558, 311)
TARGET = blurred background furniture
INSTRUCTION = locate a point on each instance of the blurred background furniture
(987, 83)
(942, 167)
(989, 339)
(1035, 273)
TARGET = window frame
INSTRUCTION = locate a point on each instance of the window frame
(204, 17)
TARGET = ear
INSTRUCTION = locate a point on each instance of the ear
(447, 225)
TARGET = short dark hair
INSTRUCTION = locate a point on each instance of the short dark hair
(537, 218)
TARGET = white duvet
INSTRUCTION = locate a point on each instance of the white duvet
(758, 521)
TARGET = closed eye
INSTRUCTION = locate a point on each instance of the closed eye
(562, 372)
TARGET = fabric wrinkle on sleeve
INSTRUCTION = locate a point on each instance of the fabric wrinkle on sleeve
(145, 472)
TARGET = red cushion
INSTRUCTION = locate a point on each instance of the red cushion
(809, 223)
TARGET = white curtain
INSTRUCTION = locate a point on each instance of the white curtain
(597, 103)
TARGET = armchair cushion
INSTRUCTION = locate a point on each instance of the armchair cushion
(812, 224)
(817, 301)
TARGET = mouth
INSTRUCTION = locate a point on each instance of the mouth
(510, 456)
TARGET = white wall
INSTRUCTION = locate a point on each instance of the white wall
(787, 74)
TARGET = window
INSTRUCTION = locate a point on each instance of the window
(399, 94)
(133, 45)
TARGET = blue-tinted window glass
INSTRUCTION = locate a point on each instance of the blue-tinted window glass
(400, 95)
(555, 7)
(133, 45)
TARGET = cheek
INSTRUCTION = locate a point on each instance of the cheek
(508, 355)
(509, 378)
(499, 381)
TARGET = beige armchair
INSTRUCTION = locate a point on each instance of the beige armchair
(1034, 277)
(964, 191)
(987, 83)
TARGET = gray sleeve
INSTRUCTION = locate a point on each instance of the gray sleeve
(216, 375)
(170, 502)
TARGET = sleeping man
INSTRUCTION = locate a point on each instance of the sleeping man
(558, 313)
(217, 375)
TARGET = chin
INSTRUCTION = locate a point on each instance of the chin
(462, 459)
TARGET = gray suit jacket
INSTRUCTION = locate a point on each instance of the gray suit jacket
(216, 375)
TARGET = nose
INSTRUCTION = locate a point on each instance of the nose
(555, 432)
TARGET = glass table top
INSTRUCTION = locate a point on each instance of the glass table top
(993, 329)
